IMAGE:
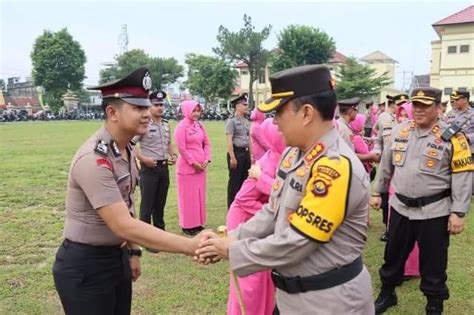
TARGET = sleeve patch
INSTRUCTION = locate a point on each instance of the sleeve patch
(323, 207)
(104, 163)
(461, 160)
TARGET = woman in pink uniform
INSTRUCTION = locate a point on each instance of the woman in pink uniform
(361, 147)
(257, 289)
(258, 147)
(194, 156)
(412, 265)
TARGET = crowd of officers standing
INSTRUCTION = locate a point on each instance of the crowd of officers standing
(315, 254)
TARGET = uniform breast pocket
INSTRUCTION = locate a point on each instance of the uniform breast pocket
(430, 161)
(399, 153)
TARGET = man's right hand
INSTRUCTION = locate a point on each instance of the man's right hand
(375, 202)
(149, 162)
(233, 163)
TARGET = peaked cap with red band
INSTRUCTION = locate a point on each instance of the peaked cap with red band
(133, 89)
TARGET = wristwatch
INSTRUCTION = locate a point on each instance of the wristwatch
(460, 214)
(135, 252)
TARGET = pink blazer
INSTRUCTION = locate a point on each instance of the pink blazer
(191, 139)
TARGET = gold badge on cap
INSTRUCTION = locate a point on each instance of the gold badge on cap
(420, 93)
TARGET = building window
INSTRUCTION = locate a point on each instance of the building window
(448, 91)
(261, 78)
(452, 49)
(462, 89)
(244, 72)
(464, 48)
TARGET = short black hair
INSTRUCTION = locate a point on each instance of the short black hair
(112, 101)
(325, 103)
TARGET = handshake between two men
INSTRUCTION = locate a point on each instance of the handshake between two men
(212, 247)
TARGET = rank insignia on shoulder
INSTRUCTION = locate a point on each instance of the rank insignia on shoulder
(101, 148)
(104, 163)
(314, 153)
(114, 148)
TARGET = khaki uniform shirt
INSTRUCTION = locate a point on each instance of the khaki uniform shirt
(154, 144)
(99, 176)
(422, 164)
(385, 123)
(346, 132)
(239, 128)
(315, 221)
(468, 127)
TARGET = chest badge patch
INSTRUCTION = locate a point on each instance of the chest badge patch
(430, 163)
(397, 157)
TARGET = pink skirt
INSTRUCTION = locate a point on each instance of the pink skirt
(192, 200)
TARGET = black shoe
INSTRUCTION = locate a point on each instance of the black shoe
(434, 307)
(386, 299)
(384, 237)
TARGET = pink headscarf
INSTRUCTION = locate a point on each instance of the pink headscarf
(257, 115)
(187, 108)
(273, 137)
(408, 107)
(358, 123)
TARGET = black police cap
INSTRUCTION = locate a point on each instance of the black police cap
(243, 98)
(133, 89)
(296, 82)
(158, 97)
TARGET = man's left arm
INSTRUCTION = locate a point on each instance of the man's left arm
(461, 177)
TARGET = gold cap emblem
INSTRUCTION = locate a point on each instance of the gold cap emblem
(420, 93)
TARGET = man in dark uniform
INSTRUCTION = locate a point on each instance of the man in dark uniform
(237, 131)
(429, 166)
(155, 154)
(98, 259)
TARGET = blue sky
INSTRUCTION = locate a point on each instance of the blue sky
(400, 29)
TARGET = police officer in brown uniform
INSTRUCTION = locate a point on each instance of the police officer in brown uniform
(313, 229)
(155, 154)
(237, 130)
(430, 169)
(384, 125)
(348, 109)
(98, 259)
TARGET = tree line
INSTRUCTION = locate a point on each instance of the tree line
(58, 63)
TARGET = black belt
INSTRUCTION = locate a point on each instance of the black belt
(423, 201)
(240, 149)
(103, 249)
(161, 162)
(322, 281)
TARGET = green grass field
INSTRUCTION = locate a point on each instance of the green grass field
(34, 162)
